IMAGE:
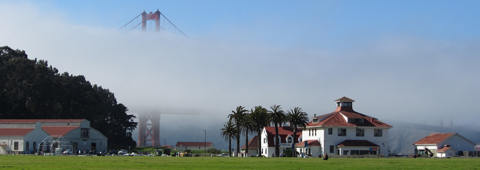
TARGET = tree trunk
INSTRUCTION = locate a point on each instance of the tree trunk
(277, 143)
(259, 131)
(238, 140)
(294, 141)
(246, 142)
(229, 146)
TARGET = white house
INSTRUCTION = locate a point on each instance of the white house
(344, 132)
(28, 136)
(443, 145)
(285, 135)
(194, 145)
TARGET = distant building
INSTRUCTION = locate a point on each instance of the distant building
(344, 132)
(443, 145)
(28, 136)
(168, 146)
(194, 145)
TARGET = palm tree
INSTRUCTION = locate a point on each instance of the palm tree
(237, 115)
(296, 117)
(277, 115)
(247, 126)
(260, 119)
(229, 132)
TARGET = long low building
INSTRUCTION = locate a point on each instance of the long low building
(27, 136)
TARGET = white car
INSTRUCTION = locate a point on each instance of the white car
(122, 152)
(67, 152)
(223, 155)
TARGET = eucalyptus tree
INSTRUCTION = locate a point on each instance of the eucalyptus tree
(260, 119)
(238, 115)
(278, 117)
(228, 132)
(296, 117)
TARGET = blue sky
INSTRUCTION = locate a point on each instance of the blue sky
(407, 61)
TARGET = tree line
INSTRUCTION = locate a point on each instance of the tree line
(32, 89)
(242, 121)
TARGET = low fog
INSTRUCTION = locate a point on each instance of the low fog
(197, 81)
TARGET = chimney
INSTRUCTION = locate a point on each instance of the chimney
(314, 115)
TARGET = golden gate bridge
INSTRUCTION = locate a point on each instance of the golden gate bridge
(162, 23)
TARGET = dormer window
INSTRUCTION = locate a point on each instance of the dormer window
(289, 139)
(315, 120)
(356, 120)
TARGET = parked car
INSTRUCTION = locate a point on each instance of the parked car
(67, 152)
(122, 152)
(223, 155)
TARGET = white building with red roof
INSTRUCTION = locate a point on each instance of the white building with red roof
(344, 132)
(443, 145)
(285, 135)
(194, 145)
(28, 136)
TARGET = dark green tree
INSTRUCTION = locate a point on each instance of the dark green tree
(32, 89)
(296, 117)
(229, 131)
(238, 115)
(278, 117)
(260, 120)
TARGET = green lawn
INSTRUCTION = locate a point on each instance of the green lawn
(145, 162)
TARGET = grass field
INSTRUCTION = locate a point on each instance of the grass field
(211, 163)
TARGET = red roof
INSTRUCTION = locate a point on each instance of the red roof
(357, 143)
(252, 144)
(310, 143)
(58, 131)
(434, 138)
(283, 133)
(15, 131)
(36, 120)
(193, 144)
(336, 118)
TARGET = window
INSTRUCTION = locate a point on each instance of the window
(377, 132)
(85, 133)
(264, 140)
(345, 152)
(342, 132)
(309, 132)
(360, 132)
(356, 120)
(315, 132)
(289, 139)
(34, 146)
(15, 146)
(199, 147)
(330, 131)
(332, 149)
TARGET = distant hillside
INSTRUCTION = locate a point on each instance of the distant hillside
(403, 135)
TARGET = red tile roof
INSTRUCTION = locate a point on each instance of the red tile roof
(434, 138)
(193, 144)
(58, 131)
(336, 119)
(36, 120)
(15, 131)
(252, 143)
(344, 99)
(357, 143)
(283, 133)
(309, 143)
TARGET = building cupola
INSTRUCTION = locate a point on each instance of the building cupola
(344, 103)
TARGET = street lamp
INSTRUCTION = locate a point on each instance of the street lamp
(205, 154)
